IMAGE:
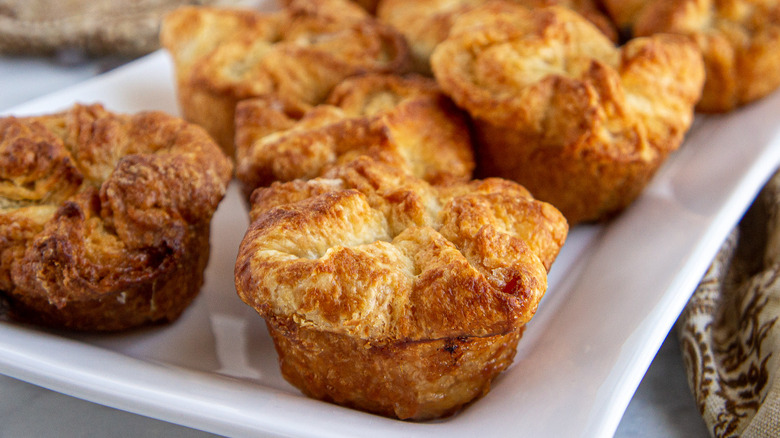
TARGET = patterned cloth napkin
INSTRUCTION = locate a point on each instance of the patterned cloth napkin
(95, 27)
(729, 332)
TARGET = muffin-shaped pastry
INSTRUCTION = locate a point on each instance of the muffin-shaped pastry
(559, 109)
(222, 56)
(104, 218)
(390, 295)
(426, 23)
(403, 121)
(739, 40)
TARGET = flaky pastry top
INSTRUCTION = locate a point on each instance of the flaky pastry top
(738, 39)
(403, 121)
(92, 201)
(426, 23)
(300, 52)
(550, 73)
(371, 252)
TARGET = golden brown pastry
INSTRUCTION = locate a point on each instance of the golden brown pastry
(339, 9)
(369, 5)
(426, 23)
(403, 121)
(559, 109)
(104, 218)
(222, 56)
(739, 40)
(390, 295)
(623, 13)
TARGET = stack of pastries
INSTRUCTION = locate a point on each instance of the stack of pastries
(390, 279)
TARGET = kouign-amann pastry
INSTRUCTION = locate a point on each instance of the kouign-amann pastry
(390, 295)
(222, 56)
(559, 109)
(739, 40)
(104, 218)
(426, 23)
(403, 121)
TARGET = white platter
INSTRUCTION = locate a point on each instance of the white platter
(615, 291)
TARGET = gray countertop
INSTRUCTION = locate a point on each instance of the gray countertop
(662, 406)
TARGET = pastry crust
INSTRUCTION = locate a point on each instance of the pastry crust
(377, 271)
(222, 56)
(368, 5)
(426, 23)
(559, 109)
(624, 13)
(104, 218)
(403, 121)
(419, 380)
(738, 40)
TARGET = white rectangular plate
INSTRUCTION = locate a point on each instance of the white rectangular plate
(615, 291)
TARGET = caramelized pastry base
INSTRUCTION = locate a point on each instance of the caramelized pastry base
(214, 112)
(155, 300)
(406, 380)
(585, 184)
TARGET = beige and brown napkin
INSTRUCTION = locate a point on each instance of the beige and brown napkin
(95, 27)
(729, 332)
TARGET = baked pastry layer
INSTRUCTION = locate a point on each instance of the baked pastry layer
(738, 39)
(558, 108)
(426, 23)
(369, 255)
(104, 218)
(222, 56)
(403, 121)
(407, 380)
(368, 5)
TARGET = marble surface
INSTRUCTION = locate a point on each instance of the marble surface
(662, 406)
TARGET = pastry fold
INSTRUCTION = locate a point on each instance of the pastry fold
(426, 23)
(403, 121)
